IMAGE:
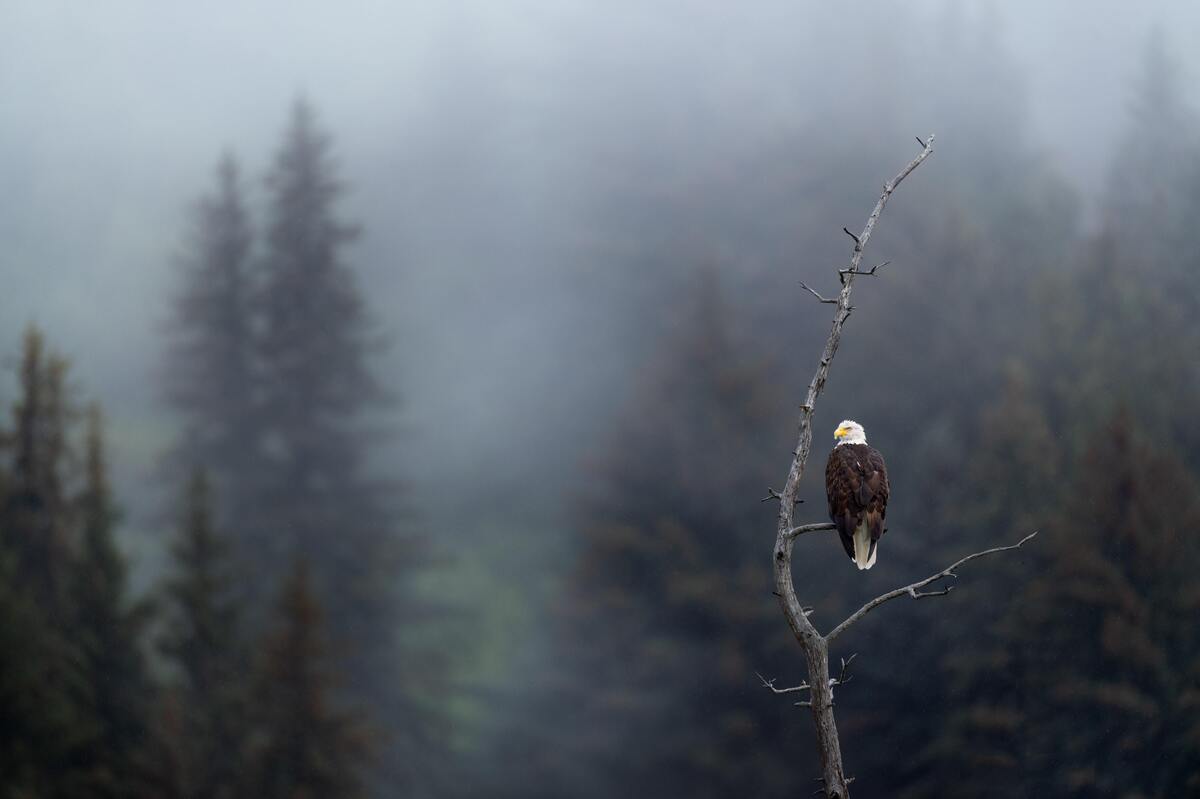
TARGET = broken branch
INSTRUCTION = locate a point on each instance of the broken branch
(771, 684)
(826, 300)
(810, 528)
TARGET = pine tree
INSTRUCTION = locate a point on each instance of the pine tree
(209, 362)
(206, 705)
(107, 630)
(305, 745)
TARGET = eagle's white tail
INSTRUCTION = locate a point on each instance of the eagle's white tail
(863, 555)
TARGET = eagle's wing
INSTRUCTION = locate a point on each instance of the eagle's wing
(833, 484)
(871, 481)
(842, 486)
(873, 491)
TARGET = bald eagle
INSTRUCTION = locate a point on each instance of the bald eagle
(856, 485)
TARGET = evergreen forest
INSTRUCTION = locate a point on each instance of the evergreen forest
(393, 421)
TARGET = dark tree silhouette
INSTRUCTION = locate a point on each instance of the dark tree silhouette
(56, 710)
(37, 512)
(41, 736)
(107, 629)
(667, 573)
(206, 713)
(1116, 707)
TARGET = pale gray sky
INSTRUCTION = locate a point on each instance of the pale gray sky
(113, 113)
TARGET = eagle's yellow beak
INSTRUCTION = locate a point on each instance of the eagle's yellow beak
(841, 431)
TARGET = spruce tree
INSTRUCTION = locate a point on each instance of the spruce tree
(41, 731)
(45, 725)
(206, 703)
(38, 514)
(209, 366)
(317, 388)
(316, 382)
(107, 629)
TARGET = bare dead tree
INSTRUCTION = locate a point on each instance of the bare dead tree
(819, 686)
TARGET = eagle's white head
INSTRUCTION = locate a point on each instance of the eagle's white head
(849, 432)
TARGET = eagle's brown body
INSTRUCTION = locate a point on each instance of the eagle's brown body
(856, 485)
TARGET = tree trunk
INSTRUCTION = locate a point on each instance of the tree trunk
(821, 695)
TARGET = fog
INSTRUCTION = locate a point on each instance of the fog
(477, 141)
(535, 182)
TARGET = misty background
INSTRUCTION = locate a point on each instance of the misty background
(560, 202)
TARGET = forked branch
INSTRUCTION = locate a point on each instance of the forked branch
(826, 300)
